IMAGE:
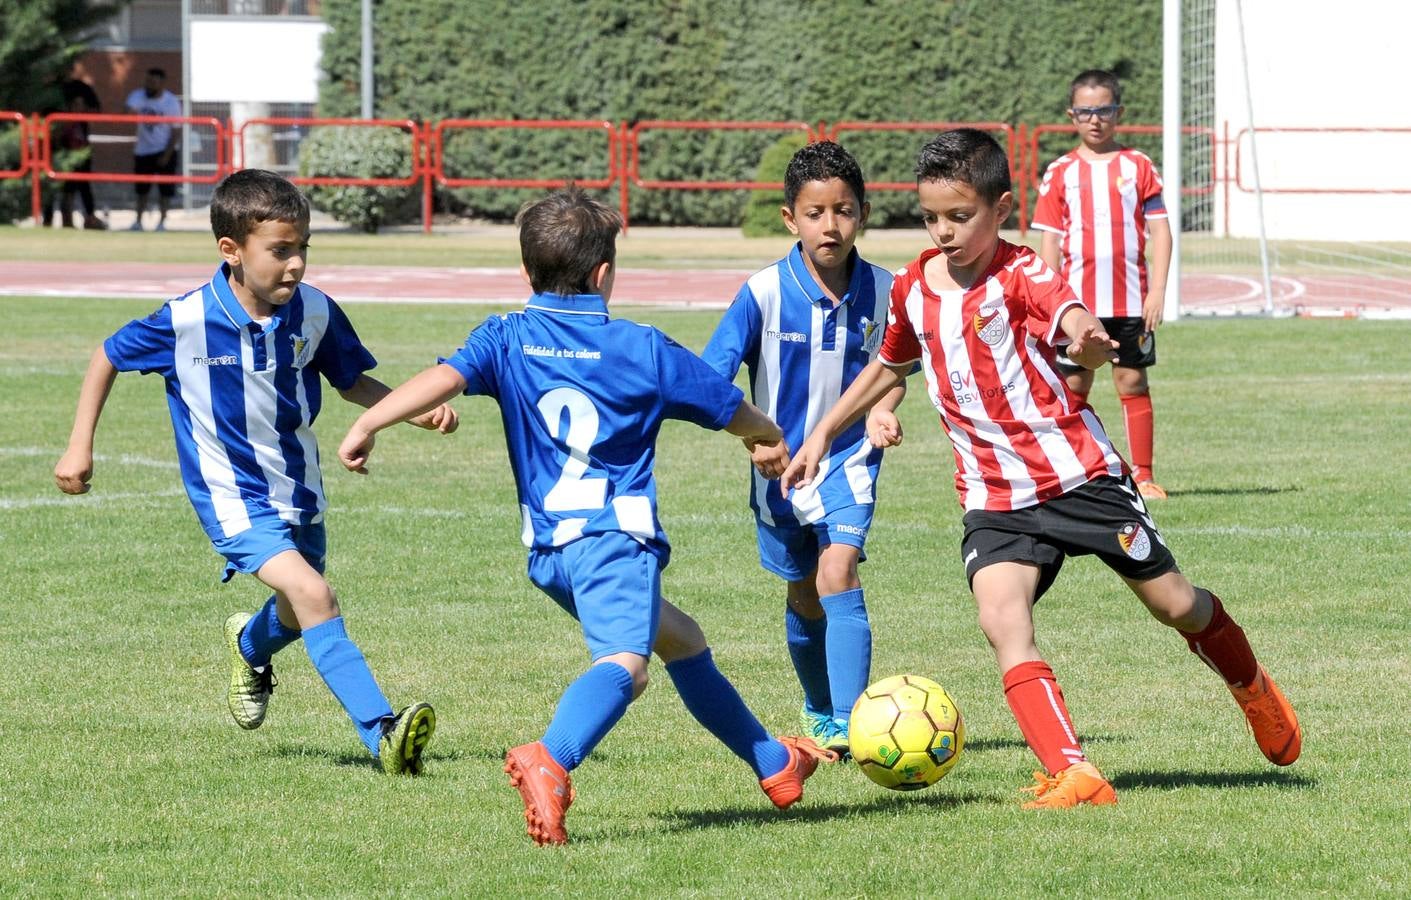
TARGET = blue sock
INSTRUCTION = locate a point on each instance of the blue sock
(344, 670)
(586, 712)
(808, 649)
(715, 703)
(264, 636)
(849, 649)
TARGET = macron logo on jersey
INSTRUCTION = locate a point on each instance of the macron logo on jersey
(229, 359)
(787, 337)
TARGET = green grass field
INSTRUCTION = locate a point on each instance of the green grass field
(1281, 441)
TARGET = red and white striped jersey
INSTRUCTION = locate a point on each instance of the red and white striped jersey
(1020, 436)
(1100, 207)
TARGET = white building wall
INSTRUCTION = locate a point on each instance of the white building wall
(1328, 66)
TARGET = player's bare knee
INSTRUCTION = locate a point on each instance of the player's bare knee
(836, 576)
(802, 597)
(678, 635)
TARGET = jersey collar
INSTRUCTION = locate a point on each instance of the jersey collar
(799, 269)
(220, 286)
(571, 304)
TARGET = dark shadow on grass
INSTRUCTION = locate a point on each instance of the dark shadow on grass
(1180, 778)
(981, 745)
(727, 817)
(354, 759)
(1230, 491)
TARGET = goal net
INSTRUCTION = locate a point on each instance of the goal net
(1295, 194)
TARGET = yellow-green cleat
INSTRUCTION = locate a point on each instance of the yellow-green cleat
(825, 731)
(249, 693)
(404, 738)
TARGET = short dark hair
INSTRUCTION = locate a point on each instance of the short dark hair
(966, 155)
(246, 198)
(821, 161)
(1096, 78)
(565, 236)
(158, 71)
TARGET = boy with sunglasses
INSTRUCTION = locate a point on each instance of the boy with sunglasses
(1105, 230)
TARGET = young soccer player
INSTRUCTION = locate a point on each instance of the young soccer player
(582, 398)
(242, 356)
(1096, 206)
(1037, 476)
(805, 327)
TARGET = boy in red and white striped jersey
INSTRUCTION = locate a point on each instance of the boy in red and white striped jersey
(1096, 206)
(1037, 476)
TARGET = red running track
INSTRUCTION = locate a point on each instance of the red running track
(1201, 293)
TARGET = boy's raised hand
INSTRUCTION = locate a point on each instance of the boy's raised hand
(803, 468)
(443, 419)
(357, 445)
(1092, 346)
(769, 459)
(74, 471)
(883, 428)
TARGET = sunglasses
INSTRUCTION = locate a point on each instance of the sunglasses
(1088, 113)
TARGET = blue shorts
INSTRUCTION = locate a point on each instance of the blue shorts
(267, 537)
(791, 551)
(611, 584)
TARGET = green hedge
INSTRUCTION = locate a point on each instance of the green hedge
(753, 60)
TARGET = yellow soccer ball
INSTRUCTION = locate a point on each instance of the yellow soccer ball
(905, 732)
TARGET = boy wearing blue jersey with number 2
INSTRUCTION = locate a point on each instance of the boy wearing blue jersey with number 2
(242, 356)
(804, 328)
(582, 398)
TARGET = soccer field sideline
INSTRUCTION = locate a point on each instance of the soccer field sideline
(713, 288)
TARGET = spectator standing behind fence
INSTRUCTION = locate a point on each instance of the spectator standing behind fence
(155, 153)
(72, 138)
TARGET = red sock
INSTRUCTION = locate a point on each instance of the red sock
(1136, 416)
(1037, 703)
(1223, 647)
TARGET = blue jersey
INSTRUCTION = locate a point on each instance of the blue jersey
(243, 397)
(802, 353)
(582, 398)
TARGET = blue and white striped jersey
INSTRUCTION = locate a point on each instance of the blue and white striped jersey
(802, 353)
(582, 398)
(243, 397)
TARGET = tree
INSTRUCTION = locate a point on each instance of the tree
(38, 42)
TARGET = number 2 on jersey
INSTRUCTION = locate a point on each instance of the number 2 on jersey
(572, 490)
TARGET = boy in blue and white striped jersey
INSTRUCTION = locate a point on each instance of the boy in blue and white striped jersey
(805, 327)
(242, 356)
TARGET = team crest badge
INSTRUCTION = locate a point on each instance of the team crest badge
(990, 325)
(1135, 542)
(1144, 342)
(1126, 183)
(301, 350)
(871, 335)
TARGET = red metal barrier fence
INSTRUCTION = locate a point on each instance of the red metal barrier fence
(622, 161)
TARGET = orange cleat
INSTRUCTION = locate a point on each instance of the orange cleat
(1271, 718)
(1078, 784)
(785, 787)
(546, 789)
(1151, 490)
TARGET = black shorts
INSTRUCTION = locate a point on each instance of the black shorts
(150, 164)
(1105, 517)
(1136, 347)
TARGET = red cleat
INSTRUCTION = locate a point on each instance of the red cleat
(546, 789)
(785, 787)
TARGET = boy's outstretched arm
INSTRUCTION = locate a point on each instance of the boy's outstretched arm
(870, 386)
(368, 391)
(1091, 346)
(414, 400)
(762, 437)
(75, 467)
